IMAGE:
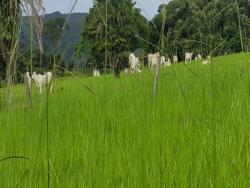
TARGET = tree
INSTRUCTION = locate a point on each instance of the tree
(125, 23)
(9, 24)
(53, 30)
(201, 26)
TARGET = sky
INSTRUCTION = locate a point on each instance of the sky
(149, 7)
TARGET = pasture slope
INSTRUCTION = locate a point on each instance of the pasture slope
(196, 133)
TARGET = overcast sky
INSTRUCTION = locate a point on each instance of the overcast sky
(149, 7)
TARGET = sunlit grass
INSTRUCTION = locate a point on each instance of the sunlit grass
(123, 138)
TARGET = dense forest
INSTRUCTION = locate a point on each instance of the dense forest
(123, 22)
(52, 23)
(200, 26)
(115, 28)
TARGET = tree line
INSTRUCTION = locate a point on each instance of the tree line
(204, 26)
(199, 26)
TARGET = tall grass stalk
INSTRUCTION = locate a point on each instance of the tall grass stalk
(239, 23)
(246, 135)
(213, 112)
(161, 42)
(47, 132)
(106, 35)
(31, 54)
(58, 43)
(78, 79)
(213, 125)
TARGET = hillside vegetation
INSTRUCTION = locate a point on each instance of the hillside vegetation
(198, 26)
(201, 26)
(195, 134)
(70, 37)
(180, 26)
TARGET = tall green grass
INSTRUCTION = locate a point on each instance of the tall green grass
(121, 137)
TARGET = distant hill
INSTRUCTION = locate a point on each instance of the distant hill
(70, 38)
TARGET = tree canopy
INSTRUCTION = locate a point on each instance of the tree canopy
(9, 27)
(201, 26)
(124, 24)
(53, 29)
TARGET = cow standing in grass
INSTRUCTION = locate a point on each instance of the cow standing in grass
(163, 60)
(134, 63)
(188, 57)
(207, 61)
(149, 57)
(168, 62)
(43, 80)
(165, 63)
(96, 73)
(175, 59)
(153, 60)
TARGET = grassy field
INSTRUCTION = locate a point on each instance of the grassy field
(196, 134)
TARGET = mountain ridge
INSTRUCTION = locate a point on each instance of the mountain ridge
(69, 39)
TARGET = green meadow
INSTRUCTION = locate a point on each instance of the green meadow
(195, 133)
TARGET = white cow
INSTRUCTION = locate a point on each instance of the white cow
(42, 80)
(153, 60)
(168, 62)
(138, 71)
(96, 73)
(205, 62)
(175, 59)
(199, 56)
(165, 63)
(134, 63)
(150, 56)
(126, 71)
(163, 60)
(188, 57)
(130, 71)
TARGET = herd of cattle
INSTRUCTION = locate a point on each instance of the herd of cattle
(154, 60)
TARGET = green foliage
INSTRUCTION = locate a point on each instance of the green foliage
(46, 64)
(200, 26)
(124, 23)
(54, 29)
(69, 40)
(10, 12)
(120, 138)
(2, 68)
